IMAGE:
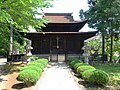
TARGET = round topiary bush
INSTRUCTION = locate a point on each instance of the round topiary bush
(96, 76)
(76, 65)
(74, 62)
(42, 66)
(87, 74)
(100, 77)
(79, 67)
(31, 67)
(74, 59)
(29, 77)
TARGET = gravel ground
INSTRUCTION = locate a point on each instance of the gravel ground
(2, 77)
(58, 77)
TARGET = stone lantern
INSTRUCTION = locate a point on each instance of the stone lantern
(86, 54)
(28, 51)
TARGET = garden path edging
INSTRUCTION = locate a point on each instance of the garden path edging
(58, 76)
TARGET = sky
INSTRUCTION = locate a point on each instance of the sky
(69, 6)
(63, 6)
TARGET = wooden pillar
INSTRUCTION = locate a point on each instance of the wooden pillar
(65, 49)
(50, 50)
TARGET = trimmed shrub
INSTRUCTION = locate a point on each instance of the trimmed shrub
(100, 77)
(74, 59)
(72, 63)
(42, 66)
(33, 58)
(83, 67)
(43, 61)
(96, 76)
(31, 73)
(87, 74)
(76, 65)
(29, 77)
(31, 67)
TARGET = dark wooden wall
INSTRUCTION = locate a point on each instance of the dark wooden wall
(46, 44)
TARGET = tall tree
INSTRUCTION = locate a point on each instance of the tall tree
(103, 15)
(18, 15)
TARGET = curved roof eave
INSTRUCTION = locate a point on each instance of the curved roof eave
(64, 27)
(83, 35)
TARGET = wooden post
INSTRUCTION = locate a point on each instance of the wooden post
(50, 50)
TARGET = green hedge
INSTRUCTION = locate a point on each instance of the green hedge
(88, 72)
(74, 61)
(30, 73)
(79, 64)
(100, 77)
(76, 65)
(29, 77)
(43, 61)
(96, 76)
(31, 67)
(81, 69)
(42, 66)
(84, 64)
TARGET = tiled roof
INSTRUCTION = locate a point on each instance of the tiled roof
(59, 17)
(62, 22)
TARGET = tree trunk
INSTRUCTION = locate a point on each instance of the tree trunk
(103, 48)
(111, 46)
(11, 39)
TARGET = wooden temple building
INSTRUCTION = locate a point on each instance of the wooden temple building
(61, 38)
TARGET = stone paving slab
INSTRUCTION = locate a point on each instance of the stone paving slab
(58, 77)
(3, 61)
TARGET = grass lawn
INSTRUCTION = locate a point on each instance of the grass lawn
(114, 72)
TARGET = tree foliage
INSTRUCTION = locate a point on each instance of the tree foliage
(103, 15)
(96, 49)
(20, 14)
(94, 46)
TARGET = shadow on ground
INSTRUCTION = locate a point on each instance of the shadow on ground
(2, 79)
(19, 86)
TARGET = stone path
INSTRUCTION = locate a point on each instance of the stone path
(3, 61)
(58, 77)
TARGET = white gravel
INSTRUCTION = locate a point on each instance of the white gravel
(58, 77)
